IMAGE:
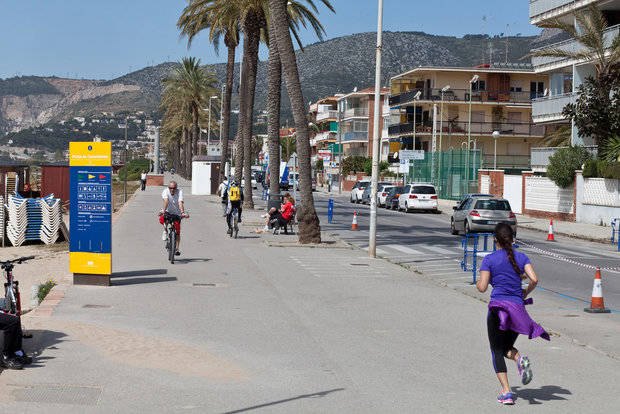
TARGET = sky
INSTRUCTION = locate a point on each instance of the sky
(106, 39)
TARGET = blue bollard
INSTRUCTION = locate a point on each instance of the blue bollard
(330, 211)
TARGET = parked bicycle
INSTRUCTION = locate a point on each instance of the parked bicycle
(12, 298)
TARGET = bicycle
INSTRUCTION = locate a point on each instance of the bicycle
(234, 224)
(12, 298)
(171, 234)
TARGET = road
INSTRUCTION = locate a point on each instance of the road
(423, 242)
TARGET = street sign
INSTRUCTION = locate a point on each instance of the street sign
(325, 155)
(411, 155)
(90, 177)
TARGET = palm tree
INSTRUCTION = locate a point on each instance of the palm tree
(309, 228)
(590, 33)
(222, 20)
(191, 85)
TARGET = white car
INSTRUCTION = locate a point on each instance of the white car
(418, 197)
(358, 190)
(382, 194)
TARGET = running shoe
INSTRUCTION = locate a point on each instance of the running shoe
(507, 398)
(525, 370)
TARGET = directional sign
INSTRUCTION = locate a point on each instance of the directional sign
(411, 155)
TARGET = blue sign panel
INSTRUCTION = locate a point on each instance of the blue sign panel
(330, 210)
(91, 209)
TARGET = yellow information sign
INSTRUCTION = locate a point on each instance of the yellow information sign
(90, 154)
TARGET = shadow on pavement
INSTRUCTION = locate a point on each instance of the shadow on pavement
(141, 280)
(192, 260)
(544, 393)
(40, 341)
(150, 272)
(299, 397)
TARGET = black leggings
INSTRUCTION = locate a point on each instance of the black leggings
(12, 328)
(500, 341)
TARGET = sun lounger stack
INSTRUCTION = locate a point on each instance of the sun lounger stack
(2, 219)
(18, 220)
(51, 215)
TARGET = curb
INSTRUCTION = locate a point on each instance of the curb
(53, 298)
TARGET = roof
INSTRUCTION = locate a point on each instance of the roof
(423, 69)
(367, 91)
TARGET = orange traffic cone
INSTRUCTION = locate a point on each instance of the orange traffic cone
(354, 224)
(550, 235)
(596, 304)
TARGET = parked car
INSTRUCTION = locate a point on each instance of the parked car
(382, 194)
(358, 189)
(418, 197)
(366, 193)
(391, 200)
(481, 213)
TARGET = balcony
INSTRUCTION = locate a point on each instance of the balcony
(460, 95)
(332, 114)
(543, 64)
(546, 9)
(518, 162)
(477, 128)
(322, 136)
(550, 108)
(355, 112)
(355, 136)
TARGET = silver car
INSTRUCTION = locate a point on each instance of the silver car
(481, 213)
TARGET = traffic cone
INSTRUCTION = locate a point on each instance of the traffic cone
(354, 224)
(550, 235)
(596, 304)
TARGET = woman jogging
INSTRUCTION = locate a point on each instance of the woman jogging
(507, 317)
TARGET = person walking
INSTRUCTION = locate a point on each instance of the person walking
(507, 317)
(143, 179)
(222, 191)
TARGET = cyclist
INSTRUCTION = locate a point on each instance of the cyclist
(173, 205)
(235, 198)
(222, 191)
(12, 355)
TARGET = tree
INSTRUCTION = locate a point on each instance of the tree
(594, 113)
(222, 18)
(309, 228)
(564, 162)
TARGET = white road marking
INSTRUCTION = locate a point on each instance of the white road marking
(403, 249)
(439, 249)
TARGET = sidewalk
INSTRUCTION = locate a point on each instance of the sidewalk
(237, 326)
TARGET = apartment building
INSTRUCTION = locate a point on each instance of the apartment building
(323, 119)
(565, 75)
(444, 103)
(357, 120)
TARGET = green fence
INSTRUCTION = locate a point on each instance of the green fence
(447, 170)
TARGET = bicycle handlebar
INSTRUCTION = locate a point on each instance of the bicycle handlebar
(19, 260)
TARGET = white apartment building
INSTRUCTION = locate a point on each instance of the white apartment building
(566, 75)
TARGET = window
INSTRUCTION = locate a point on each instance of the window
(516, 89)
(423, 189)
(360, 125)
(480, 85)
(406, 189)
(537, 89)
(501, 205)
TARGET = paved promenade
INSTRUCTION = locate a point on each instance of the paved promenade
(236, 326)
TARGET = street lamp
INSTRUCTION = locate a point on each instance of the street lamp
(495, 136)
(416, 97)
(471, 84)
(209, 125)
(443, 90)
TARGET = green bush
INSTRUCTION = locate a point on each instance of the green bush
(564, 162)
(134, 169)
(602, 169)
(44, 289)
(590, 169)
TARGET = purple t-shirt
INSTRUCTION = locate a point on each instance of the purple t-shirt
(505, 281)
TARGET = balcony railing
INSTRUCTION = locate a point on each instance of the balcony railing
(570, 45)
(460, 95)
(477, 128)
(551, 107)
(506, 161)
(538, 7)
(349, 136)
(327, 115)
(356, 112)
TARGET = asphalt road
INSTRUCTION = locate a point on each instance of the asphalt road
(423, 240)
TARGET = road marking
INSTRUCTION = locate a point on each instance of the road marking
(439, 249)
(403, 249)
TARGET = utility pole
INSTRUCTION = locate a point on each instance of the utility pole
(507, 26)
(372, 237)
(339, 147)
(126, 166)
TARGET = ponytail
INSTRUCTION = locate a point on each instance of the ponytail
(503, 235)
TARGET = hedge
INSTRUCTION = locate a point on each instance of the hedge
(602, 169)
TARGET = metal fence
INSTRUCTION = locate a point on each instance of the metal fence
(447, 170)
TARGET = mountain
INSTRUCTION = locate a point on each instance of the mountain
(333, 66)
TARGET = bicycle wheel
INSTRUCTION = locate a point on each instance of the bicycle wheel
(173, 245)
(10, 305)
(235, 224)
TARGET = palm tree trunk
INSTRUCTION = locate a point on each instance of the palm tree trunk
(188, 153)
(243, 102)
(250, 46)
(230, 69)
(309, 227)
(274, 96)
(195, 132)
(177, 161)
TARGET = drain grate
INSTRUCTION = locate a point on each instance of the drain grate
(57, 394)
(359, 264)
(91, 306)
(208, 285)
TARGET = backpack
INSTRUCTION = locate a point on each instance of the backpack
(234, 194)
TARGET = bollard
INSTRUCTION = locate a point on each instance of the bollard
(34, 296)
(330, 211)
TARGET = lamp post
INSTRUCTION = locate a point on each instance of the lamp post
(495, 137)
(339, 106)
(443, 90)
(471, 84)
(415, 98)
(372, 237)
(209, 124)
(221, 119)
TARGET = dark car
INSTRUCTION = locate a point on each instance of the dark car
(366, 193)
(391, 201)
